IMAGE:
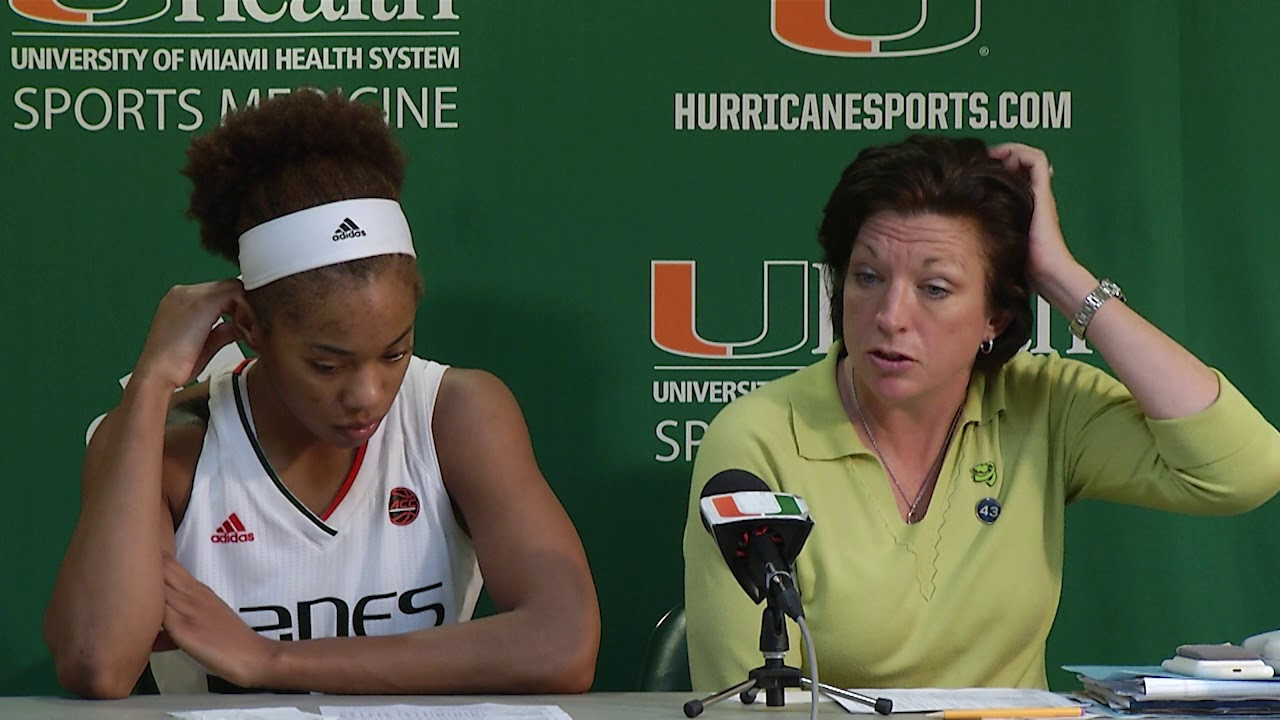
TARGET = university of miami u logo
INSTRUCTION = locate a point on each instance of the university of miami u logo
(808, 26)
(784, 325)
(91, 13)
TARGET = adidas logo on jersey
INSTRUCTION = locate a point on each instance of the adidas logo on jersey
(347, 230)
(231, 531)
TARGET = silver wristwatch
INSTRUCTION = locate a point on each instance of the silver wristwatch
(1094, 300)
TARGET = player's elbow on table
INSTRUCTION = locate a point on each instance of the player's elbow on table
(85, 665)
(575, 674)
(93, 674)
(567, 645)
(567, 663)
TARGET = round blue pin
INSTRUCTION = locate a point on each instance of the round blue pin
(988, 510)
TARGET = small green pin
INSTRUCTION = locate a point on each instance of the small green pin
(984, 473)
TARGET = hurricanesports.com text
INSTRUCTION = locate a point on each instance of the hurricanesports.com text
(853, 111)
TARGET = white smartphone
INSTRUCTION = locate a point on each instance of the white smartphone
(1259, 642)
(1219, 669)
(1267, 645)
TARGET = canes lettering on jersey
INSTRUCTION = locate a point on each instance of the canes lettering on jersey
(378, 606)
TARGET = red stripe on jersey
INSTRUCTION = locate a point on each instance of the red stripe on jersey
(236, 522)
(346, 484)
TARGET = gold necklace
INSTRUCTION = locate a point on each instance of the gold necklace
(937, 463)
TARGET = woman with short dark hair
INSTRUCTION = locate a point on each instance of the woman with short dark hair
(936, 459)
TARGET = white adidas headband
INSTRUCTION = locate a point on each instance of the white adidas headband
(323, 235)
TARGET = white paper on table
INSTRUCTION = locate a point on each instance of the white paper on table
(271, 713)
(918, 700)
(475, 711)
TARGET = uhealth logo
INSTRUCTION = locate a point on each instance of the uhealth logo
(784, 325)
(100, 13)
(117, 12)
(808, 26)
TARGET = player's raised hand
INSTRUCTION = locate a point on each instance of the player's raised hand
(182, 338)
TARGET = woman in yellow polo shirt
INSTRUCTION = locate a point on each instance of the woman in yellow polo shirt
(919, 429)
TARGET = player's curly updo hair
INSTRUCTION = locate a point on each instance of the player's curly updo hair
(287, 154)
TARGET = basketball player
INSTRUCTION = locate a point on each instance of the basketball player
(318, 519)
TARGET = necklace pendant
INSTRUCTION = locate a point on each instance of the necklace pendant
(934, 471)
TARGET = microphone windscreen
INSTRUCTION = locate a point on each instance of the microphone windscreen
(732, 481)
(753, 526)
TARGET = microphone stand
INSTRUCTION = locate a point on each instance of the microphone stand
(775, 676)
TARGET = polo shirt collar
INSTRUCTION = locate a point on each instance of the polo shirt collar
(823, 430)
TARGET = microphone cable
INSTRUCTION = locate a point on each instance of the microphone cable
(807, 638)
(812, 656)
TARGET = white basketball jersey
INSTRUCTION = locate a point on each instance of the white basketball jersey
(387, 556)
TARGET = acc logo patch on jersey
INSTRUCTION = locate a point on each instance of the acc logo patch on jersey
(403, 506)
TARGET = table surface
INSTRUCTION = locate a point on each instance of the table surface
(609, 706)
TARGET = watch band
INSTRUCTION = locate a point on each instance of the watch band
(1089, 307)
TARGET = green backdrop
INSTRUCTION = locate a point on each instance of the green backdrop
(570, 159)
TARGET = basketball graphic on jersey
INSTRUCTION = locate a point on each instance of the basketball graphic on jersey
(402, 506)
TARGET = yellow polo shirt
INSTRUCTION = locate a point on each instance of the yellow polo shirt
(952, 601)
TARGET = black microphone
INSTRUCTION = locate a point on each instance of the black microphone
(759, 532)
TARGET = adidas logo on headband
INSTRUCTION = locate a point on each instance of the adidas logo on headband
(296, 242)
(347, 230)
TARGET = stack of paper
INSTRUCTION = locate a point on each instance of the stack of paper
(923, 700)
(1142, 689)
(472, 711)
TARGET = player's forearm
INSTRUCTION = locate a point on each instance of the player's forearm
(108, 601)
(507, 653)
(549, 646)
